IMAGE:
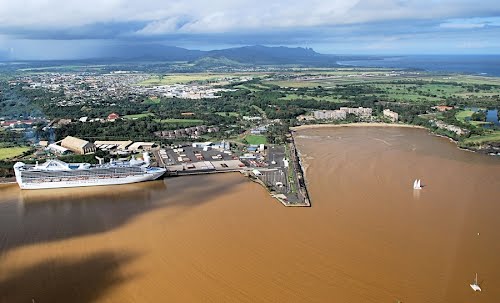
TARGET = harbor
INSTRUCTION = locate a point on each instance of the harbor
(276, 167)
(367, 238)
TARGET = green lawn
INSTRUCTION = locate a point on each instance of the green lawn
(230, 114)
(331, 98)
(10, 152)
(464, 114)
(181, 121)
(138, 116)
(494, 136)
(184, 78)
(255, 139)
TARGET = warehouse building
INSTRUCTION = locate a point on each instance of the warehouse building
(78, 146)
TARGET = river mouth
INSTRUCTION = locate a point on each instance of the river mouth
(368, 237)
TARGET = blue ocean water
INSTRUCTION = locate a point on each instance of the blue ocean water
(488, 65)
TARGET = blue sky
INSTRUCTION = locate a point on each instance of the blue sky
(65, 29)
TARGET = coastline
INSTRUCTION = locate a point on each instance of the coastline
(380, 124)
(359, 124)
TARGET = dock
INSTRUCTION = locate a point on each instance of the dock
(279, 169)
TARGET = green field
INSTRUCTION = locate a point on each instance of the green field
(138, 116)
(463, 115)
(255, 139)
(494, 136)
(228, 114)
(181, 121)
(10, 152)
(331, 98)
(170, 79)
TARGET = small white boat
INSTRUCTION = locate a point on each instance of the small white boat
(416, 184)
(475, 286)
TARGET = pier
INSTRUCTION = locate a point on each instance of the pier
(279, 171)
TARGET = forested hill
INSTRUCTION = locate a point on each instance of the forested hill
(273, 55)
(256, 54)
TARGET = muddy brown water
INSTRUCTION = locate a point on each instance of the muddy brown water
(220, 238)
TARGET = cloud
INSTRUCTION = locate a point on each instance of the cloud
(462, 25)
(157, 17)
(329, 25)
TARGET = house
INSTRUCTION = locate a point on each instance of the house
(442, 108)
(113, 116)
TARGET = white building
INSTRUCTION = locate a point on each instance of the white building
(329, 114)
(393, 116)
(364, 112)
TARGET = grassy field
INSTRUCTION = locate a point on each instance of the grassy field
(138, 116)
(377, 76)
(330, 98)
(10, 152)
(228, 114)
(255, 139)
(493, 136)
(187, 78)
(463, 115)
(181, 121)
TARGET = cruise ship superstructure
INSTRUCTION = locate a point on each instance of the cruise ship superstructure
(59, 174)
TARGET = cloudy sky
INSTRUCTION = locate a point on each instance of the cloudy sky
(50, 29)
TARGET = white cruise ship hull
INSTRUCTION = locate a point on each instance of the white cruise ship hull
(92, 182)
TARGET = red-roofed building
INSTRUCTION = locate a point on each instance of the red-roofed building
(113, 117)
(442, 108)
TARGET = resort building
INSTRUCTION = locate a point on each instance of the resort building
(393, 116)
(329, 114)
(78, 146)
(363, 112)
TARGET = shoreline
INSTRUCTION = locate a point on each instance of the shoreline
(358, 124)
(380, 124)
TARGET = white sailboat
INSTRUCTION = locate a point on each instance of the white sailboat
(475, 286)
(416, 184)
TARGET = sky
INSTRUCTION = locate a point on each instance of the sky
(72, 29)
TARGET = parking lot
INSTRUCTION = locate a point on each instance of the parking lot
(189, 154)
(276, 179)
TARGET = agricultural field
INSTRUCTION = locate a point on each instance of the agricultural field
(11, 152)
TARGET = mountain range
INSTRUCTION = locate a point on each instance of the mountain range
(257, 54)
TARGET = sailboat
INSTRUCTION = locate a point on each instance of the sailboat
(416, 184)
(475, 286)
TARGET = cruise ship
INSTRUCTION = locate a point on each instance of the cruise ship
(59, 174)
